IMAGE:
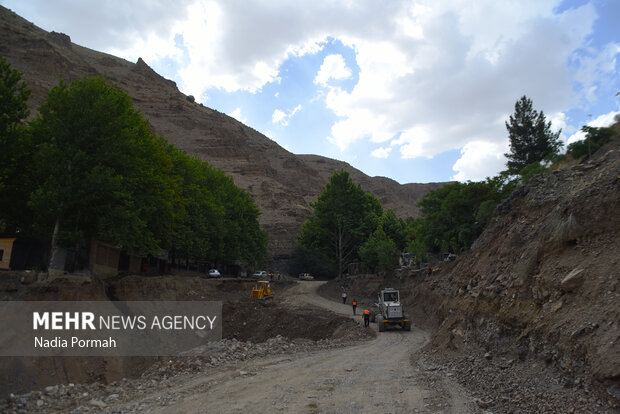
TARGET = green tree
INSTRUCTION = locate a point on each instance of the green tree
(14, 95)
(394, 228)
(455, 215)
(343, 219)
(530, 135)
(380, 252)
(200, 219)
(100, 170)
(218, 222)
(595, 138)
(243, 240)
(417, 238)
(14, 148)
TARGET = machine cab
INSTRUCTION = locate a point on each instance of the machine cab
(390, 295)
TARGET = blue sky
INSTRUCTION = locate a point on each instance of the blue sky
(417, 91)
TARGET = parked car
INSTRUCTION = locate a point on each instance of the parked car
(306, 276)
(214, 273)
(261, 274)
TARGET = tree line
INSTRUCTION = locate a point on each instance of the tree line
(88, 165)
(349, 225)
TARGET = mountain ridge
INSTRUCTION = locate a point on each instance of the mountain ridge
(282, 184)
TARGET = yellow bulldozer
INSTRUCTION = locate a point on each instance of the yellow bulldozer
(262, 291)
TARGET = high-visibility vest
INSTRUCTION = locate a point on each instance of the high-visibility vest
(354, 303)
(366, 312)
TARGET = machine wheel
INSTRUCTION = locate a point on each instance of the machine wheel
(381, 325)
(407, 326)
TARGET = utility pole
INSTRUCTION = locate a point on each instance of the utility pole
(588, 138)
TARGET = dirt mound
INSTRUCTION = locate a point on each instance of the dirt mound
(243, 320)
(255, 322)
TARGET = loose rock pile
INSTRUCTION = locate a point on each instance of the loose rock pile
(98, 397)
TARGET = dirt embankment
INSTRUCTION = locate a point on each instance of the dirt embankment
(243, 320)
(542, 282)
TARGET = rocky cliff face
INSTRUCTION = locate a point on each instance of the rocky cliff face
(282, 184)
(540, 290)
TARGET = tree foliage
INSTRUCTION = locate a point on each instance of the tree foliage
(343, 219)
(530, 135)
(594, 139)
(455, 215)
(100, 170)
(219, 221)
(14, 96)
(96, 170)
(380, 252)
(394, 228)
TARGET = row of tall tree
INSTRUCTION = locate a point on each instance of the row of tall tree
(350, 226)
(89, 166)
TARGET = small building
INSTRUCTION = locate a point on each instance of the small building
(106, 260)
(6, 248)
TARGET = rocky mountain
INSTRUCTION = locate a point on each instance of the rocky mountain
(281, 183)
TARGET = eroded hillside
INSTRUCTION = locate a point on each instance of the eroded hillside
(541, 287)
(281, 183)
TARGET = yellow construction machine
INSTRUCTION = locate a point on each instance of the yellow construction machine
(262, 291)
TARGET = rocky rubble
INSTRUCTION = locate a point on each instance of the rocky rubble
(502, 383)
(227, 354)
(531, 319)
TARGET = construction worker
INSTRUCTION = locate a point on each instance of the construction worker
(354, 304)
(366, 317)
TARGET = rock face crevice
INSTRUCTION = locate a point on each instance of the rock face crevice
(281, 183)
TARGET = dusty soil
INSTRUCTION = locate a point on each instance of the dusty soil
(345, 373)
(244, 320)
(484, 358)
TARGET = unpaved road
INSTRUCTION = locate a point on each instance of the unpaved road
(374, 377)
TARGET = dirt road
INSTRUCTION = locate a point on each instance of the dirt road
(375, 376)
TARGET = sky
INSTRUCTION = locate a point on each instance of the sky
(418, 91)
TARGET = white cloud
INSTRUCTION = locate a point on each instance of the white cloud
(236, 113)
(577, 136)
(111, 25)
(479, 160)
(558, 121)
(333, 67)
(381, 152)
(278, 116)
(594, 69)
(283, 118)
(604, 120)
(433, 76)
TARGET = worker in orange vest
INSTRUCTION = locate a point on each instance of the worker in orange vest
(354, 304)
(366, 317)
